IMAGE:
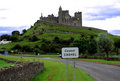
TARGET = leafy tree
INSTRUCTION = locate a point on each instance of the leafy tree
(14, 38)
(55, 48)
(27, 48)
(92, 47)
(17, 46)
(117, 45)
(45, 47)
(24, 31)
(56, 40)
(82, 43)
(5, 36)
(15, 33)
(34, 38)
(105, 44)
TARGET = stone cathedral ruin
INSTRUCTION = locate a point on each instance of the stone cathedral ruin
(64, 18)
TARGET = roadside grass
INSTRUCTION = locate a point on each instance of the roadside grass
(54, 71)
(33, 55)
(101, 61)
(81, 59)
(5, 64)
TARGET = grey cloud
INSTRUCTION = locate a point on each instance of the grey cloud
(3, 9)
(115, 32)
(104, 13)
(10, 29)
(3, 17)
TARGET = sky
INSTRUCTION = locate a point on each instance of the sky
(22, 14)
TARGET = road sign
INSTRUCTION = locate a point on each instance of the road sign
(70, 52)
(6, 53)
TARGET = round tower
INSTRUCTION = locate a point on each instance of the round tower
(60, 15)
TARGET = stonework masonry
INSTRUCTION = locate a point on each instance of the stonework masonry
(22, 71)
(64, 18)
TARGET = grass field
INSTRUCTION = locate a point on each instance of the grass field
(5, 64)
(54, 71)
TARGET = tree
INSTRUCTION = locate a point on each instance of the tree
(15, 33)
(24, 31)
(117, 45)
(34, 38)
(27, 48)
(82, 43)
(17, 47)
(56, 40)
(92, 47)
(5, 36)
(105, 44)
(14, 38)
(45, 47)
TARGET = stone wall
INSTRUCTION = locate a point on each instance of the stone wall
(22, 71)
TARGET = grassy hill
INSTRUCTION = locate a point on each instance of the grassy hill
(48, 32)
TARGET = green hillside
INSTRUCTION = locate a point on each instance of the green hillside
(47, 31)
(44, 31)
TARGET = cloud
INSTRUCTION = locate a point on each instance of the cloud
(107, 24)
(3, 17)
(8, 30)
(3, 9)
(4, 32)
(103, 13)
(115, 32)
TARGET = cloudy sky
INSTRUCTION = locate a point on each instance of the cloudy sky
(21, 14)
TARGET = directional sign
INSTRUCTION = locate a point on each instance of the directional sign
(70, 52)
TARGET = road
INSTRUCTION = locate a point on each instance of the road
(100, 72)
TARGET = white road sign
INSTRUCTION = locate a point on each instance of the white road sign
(70, 52)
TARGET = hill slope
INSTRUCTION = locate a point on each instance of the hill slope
(48, 31)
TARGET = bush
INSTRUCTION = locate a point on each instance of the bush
(27, 48)
(34, 38)
(17, 47)
(14, 38)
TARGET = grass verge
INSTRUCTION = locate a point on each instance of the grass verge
(5, 64)
(117, 63)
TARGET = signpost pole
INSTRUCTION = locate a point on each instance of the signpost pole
(67, 68)
(70, 52)
(73, 70)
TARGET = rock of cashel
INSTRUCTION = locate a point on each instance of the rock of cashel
(64, 18)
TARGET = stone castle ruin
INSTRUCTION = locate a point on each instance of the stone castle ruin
(64, 18)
